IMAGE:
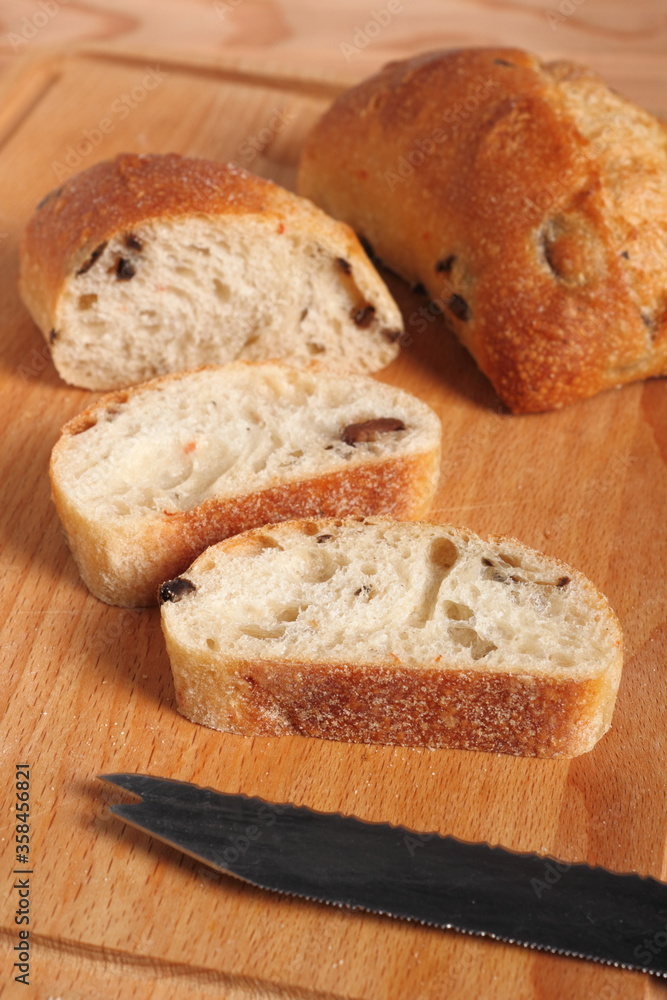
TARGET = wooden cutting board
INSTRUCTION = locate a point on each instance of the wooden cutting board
(87, 688)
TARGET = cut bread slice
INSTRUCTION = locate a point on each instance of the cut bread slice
(148, 477)
(144, 265)
(376, 631)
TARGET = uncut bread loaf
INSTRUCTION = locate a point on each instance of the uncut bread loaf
(375, 631)
(529, 201)
(147, 477)
(144, 265)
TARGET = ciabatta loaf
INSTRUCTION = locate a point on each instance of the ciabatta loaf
(150, 264)
(528, 199)
(375, 631)
(148, 477)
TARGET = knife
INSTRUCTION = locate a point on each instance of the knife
(526, 899)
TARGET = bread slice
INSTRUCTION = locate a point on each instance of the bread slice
(144, 265)
(375, 631)
(529, 201)
(148, 477)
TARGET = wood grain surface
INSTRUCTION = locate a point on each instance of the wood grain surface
(86, 688)
(316, 28)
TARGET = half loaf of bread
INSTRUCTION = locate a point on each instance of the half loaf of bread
(144, 265)
(375, 631)
(148, 477)
(529, 201)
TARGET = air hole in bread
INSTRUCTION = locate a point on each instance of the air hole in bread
(85, 302)
(443, 553)
(531, 647)
(296, 454)
(289, 614)
(469, 638)
(258, 464)
(510, 560)
(442, 557)
(222, 291)
(85, 425)
(562, 660)
(370, 569)
(314, 348)
(119, 507)
(150, 320)
(314, 250)
(267, 542)
(326, 570)
(258, 632)
(212, 644)
(320, 566)
(457, 612)
(309, 528)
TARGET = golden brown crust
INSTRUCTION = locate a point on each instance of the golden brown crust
(468, 172)
(161, 549)
(366, 703)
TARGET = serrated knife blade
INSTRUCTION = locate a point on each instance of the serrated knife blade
(526, 899)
